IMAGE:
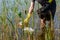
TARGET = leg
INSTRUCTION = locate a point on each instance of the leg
(42, 28)
(42, 23)
(50, 23)
(41, 34)
(51, 27)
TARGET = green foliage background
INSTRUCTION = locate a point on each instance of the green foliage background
(11, 12)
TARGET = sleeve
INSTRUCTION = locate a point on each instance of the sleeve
(33, 0)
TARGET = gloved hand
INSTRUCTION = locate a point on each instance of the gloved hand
(27, 19)
(26, 22)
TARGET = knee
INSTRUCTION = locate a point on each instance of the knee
(42, 23)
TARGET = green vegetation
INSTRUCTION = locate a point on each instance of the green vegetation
(12, 12)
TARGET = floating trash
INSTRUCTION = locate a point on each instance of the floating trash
(20, 23)
(28, 29)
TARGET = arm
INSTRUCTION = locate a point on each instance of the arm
(30, 12)
(31, 7)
